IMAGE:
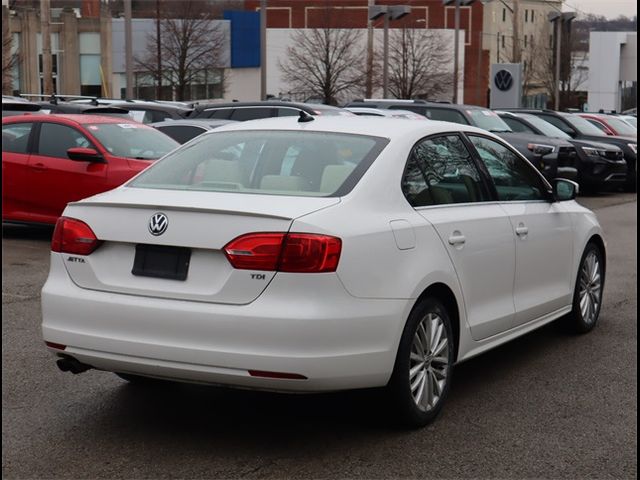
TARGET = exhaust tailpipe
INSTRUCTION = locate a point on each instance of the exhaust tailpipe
(70, 364)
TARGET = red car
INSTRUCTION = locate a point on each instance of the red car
(51, 160)
(610, 125)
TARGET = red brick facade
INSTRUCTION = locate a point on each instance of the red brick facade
(424, 14)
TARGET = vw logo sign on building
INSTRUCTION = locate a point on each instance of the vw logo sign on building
(158, 224)
(506, 85)
(503, 80)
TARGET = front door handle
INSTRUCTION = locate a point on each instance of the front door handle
(457, 239)
(521, 230)
(39, 167)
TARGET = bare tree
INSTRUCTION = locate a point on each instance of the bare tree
(325, 62)
(419, 63)
(190, 46)
(9, 59)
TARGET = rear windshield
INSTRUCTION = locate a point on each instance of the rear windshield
(131, 140)
(316, 164)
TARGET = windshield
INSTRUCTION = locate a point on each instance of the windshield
(633, 121)
(132, 140)
(583, 126)
(622, 127)
(300, 163)
(546, 128)
(488, 120)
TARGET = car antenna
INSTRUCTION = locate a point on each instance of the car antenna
(305, 117)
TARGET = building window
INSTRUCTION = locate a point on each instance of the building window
(504, 14)
(503, 41)
(525, 41)
(90, 68)
(532, 12)
(526, 15)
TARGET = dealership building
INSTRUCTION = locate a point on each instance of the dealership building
(88, 42)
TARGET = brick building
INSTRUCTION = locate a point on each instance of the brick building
(424, 14)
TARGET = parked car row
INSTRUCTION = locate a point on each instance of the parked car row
(559, 145)
(595, 167)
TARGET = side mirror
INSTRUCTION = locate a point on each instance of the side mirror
(81, 154)
(564, 189)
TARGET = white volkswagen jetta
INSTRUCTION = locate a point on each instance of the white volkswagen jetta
(313, 254)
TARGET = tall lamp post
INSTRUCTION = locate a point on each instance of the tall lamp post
(388, 12)
(558, 20)
(456, 46)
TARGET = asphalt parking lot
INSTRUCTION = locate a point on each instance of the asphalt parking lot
(548, 405)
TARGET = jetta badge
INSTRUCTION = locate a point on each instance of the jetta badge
(158, 224)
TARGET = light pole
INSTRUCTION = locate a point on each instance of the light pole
(558, 20)
(388, 12)
(263, 49)
(456, 47)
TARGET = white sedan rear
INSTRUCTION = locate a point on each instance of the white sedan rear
(315, 254)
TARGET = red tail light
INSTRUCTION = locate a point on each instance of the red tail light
(73, 236)
(285, 252)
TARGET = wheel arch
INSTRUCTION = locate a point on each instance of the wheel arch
(443, 293)
(598, 241)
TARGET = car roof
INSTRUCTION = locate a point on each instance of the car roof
(383, 127)
(196, 122)
(142, 105)
(373, 103)
(267, 103)
(81, 119)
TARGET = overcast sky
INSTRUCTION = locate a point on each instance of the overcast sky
(608, 8)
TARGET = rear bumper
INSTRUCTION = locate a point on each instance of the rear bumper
(306, 325)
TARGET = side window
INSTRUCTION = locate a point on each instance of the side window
(243, 114)
(558, 123)
(514, 178)
(596, 123)
(517, 125)
(440, 171)
(411, 108)
(182, 133)
(446, 115)
(55, 140)
(15, 137)
(288, 112)
(223, 113)
(157, 116)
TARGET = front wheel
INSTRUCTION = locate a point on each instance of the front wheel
(422, 373)
(587, 296)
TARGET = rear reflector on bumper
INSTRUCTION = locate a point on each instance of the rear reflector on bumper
(57, 346)
(288, 376)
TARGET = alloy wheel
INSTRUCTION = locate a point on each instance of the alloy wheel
(590, 291)
(429, 362)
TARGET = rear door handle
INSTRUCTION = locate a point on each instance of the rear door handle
(457, 239)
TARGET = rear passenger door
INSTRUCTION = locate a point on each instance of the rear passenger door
(444, 184)
(541, 229)
(15, 158)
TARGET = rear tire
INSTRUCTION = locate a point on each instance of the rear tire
(421, 377)
(587, 295)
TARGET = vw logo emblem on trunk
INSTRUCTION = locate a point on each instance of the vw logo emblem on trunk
(158, 224)
(503, 80)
